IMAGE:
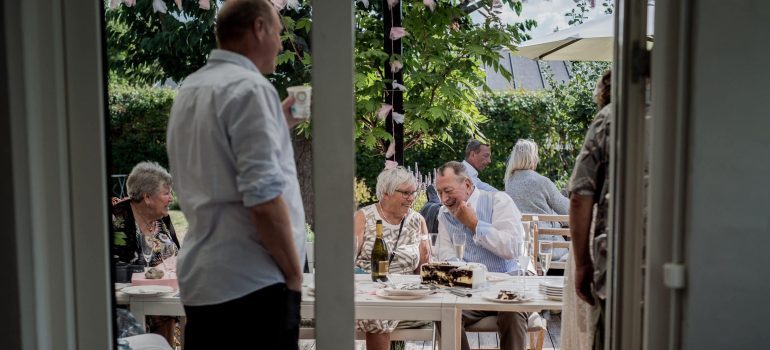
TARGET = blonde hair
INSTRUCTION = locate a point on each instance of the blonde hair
(523, 157)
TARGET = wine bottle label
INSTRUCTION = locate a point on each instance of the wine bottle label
(383, 267)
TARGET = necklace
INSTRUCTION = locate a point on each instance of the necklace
(385, 217)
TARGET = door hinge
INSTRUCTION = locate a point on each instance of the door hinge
(674, 275)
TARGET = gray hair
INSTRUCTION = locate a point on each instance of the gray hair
(457, 167)
(389, 180)
(473, 146)
(147, 178)
(523, 157)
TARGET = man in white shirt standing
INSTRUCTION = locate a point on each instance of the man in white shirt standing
(231, 156)
(491, 226)
(477, 156)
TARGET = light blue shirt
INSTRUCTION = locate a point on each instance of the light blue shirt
(498, 237)
(473, 174)
(229, 149)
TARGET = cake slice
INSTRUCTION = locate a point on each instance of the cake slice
(468, 275)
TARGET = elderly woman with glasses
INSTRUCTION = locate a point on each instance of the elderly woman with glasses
(143, 219)
(406, 235)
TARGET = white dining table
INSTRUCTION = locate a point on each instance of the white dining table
(443, 307)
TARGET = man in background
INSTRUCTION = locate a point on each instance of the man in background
(477, 156)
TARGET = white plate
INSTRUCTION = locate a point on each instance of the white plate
(382, 294)
(406, 292)
(553, 293)
(493, 297)
(147, 290)
(493, 277)
(549, 284)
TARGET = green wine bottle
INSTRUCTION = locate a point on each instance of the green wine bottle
(379, 257)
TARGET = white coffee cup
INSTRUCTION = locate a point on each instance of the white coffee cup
(301, 107)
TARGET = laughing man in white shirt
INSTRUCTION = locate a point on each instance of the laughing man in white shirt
(491, 225)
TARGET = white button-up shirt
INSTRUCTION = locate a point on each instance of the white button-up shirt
(229, 149)
(502, 237)
(473, 174)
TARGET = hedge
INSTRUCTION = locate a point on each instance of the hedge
(137, 131)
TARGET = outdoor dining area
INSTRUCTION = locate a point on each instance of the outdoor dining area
(410, 297)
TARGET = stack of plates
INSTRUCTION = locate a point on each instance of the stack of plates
(552, 290)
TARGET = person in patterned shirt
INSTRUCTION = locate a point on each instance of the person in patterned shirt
(589, 187)
(406, 235)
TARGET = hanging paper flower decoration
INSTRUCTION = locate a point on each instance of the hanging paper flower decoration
(178, 4)
(429, 4)
(204, 4)
(114, 4)
(398, 118)
(129, 3)
(398, 33)
(398, 86)
(391, 151)
(395, 66)
(293, 4)
(365, 2)
(159, 6)
(389, 164)
(384, 110)
(280, 4)
(392, 3)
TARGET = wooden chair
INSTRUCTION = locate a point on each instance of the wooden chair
(536, 328)
(535, 221)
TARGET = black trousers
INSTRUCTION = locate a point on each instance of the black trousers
(265, 319)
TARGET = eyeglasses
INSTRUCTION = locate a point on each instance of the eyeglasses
(407, 194)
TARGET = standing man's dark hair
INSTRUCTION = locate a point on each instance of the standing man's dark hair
(478, 156)
(473, 146)
(231, 155)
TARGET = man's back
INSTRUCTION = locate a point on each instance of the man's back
(229, 149)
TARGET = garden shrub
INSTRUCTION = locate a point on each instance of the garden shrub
(137, 130)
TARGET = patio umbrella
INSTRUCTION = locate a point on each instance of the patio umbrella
(589, 41)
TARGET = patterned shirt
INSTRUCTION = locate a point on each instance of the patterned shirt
(408, 250)
(591, 178)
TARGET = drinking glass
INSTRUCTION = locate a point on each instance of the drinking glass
(458, 240)
(146, 251)
(546, 252)
(524, 259)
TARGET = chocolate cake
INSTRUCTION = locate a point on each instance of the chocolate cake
(469, 275)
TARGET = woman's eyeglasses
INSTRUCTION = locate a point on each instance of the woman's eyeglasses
(407, 194)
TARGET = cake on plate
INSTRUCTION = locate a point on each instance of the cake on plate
(454, 274)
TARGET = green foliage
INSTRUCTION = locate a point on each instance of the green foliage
(146, 46)
(578, 14)
(137, 131)
(309, 234)
(119, 238)
(362, 194)
(556, 119)
(442, 57)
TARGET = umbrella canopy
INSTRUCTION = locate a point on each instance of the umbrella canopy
(589, 41)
